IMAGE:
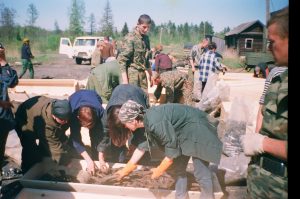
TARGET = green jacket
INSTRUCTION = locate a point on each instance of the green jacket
(182, 130)
(104, 78)
(136, 52)
(34, 118)
(275, 109)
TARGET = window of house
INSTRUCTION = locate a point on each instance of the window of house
(248, 43)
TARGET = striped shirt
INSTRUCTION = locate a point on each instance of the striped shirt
(208, 63)
(276, 71)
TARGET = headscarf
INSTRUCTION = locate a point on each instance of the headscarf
(130, 110)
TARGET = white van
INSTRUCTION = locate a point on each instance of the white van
(82, 48)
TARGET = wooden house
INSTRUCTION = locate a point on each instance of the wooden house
(245, 38)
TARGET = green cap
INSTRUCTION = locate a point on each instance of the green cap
(61, 109)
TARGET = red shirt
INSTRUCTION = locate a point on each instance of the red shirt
(162, 61)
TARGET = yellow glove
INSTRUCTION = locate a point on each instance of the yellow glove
(164, 165)
(126, 170)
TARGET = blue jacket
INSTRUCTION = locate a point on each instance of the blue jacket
(78, 99)
(26, 52)
(8, 79)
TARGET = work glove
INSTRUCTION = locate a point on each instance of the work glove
(126, 170)
(104, 167)
(252, 143)
(164, 165)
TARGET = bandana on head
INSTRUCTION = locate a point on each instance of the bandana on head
(130, 110)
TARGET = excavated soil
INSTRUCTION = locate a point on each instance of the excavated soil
(139, 179)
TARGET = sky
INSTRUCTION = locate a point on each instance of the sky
(220, 13)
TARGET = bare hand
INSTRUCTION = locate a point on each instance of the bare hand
(91, 168)
(104, 167)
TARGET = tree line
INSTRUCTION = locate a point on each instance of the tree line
(166, 33)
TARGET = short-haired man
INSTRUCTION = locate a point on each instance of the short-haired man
(195, 56)
(267, 171)
(209, 63)
(134, 59)
(107, 50)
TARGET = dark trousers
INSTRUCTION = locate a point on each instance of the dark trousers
(31, 152)
(203, 86)
(5, 127)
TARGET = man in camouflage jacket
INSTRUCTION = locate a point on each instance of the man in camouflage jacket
(178, 87)
(268, 169)
(134, 59)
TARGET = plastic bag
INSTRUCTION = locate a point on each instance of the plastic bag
(214, 93)
(239, 117)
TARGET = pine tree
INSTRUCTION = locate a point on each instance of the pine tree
(92, 24)
(77, 17)
(125, 30)
(106, 22)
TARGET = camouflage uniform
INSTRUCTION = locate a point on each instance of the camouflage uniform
(260, 182)
(177, 87)
(134, 59)
(195, 55)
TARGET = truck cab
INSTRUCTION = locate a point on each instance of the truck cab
(82, 48)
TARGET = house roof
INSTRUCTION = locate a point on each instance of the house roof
(242, 27)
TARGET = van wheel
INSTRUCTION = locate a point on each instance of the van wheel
(78, 61)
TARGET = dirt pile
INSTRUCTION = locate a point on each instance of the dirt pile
(140, 178)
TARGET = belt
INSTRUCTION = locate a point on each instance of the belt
(271, 164)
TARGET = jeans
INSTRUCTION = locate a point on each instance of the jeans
(202, 175)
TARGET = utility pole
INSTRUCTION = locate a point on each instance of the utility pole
(161, 28)
(265, 34)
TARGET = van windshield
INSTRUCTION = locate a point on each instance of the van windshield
(85, 42)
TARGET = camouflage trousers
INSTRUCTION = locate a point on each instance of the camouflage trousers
(263, 184)
(27, 64)
(138, 78)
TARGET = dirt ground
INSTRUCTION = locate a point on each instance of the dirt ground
(61, 67)
(58, 67)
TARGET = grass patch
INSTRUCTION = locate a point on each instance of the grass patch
(232, 62)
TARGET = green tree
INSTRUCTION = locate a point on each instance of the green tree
(223, 32)
(92, 24)
(56, 28)
(106, 22)
(33, 14)
(77, 18)
(186, 31)
(125, 30)
(209, 29)
(7, 22)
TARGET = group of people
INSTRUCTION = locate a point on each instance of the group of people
(181, 130)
